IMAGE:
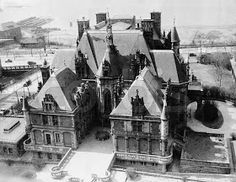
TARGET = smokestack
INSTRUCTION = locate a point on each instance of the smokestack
(101, 17)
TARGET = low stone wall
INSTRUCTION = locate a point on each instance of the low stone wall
(194, 166)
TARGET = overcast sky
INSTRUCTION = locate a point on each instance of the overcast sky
(186, 12)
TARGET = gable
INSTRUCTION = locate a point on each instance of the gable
(61, 86)
(148, 89)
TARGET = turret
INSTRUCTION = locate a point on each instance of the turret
(165, 126)
(175, 41)
(109, 36)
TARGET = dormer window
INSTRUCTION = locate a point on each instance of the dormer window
(106, 68)
(48, 103)
(138, 107)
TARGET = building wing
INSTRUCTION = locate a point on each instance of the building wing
(149, 88)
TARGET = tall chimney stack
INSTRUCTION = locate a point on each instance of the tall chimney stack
(156, 17)
(101, 17)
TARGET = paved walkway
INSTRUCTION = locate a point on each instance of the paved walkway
(228, 112)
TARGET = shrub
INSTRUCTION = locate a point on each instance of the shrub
(208, 112)
(221, 59)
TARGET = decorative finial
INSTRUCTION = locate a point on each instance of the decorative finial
(174, 22)
(167, 92)
(137, 93)
(84, 25)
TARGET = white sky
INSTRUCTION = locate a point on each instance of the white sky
(186, 12)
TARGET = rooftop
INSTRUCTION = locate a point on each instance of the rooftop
(16, 132)
(205, 147)
(148, 88)
(127, 42)
(61, 85)
(167, 65)
(64, 57)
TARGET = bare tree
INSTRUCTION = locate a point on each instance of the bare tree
(219, 71)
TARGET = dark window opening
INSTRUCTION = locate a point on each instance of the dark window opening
(59, 156)
(4, 149)
(45, 120)
(55, 120)
(40, 155)
(10, 150)
(49, 156)
(58, 139)
(48, 139)
(137, 126)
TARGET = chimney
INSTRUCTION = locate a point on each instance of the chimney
(82, 24)
(45, 71)
(156, 17)
(101, 17)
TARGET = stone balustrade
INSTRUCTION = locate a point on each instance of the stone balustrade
(29, 146)
(145, 158)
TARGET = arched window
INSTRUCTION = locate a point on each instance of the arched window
(107, 101)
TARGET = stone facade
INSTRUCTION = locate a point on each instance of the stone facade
(52, 131)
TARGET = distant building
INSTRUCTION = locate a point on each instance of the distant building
(33, 42)
(10, 30)
(12, 136)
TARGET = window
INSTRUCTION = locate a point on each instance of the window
(45, 120)
(4, 149)
(48, 139)
(137, 126)
(40, 155)
(59, 156)
(57, 137)
(49, 156)
(10, 150)
(55, 120)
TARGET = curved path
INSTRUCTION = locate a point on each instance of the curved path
(228, 112)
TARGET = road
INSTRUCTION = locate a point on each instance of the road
(12, 93)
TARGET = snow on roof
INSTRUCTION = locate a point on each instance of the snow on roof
(148, 88)
(16, 133)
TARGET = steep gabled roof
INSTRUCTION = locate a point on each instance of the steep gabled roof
(149, 88)
(127, 42)
(167, 65)
(114, 61)
(60, 85)
(62, 58)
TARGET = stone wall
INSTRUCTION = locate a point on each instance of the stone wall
(193, 166)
